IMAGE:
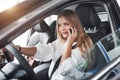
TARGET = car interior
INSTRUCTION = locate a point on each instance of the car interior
(93, 26)
(95, 20)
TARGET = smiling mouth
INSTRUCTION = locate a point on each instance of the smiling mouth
(64, 33)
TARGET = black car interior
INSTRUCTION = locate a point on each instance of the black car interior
(91, 22)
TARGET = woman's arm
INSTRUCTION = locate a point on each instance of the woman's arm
(29, 51)
(67, 52)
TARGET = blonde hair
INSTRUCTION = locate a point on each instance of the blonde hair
(83, 40)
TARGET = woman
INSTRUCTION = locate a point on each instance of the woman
(71, 44)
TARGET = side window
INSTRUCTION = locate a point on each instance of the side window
(111, 44)
(118, 1)
(103, 16)
(101, 13)
(22, 39)
(50, 19)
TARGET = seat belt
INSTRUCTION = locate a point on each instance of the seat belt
(55, 66)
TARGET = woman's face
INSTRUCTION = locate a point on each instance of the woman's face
(64, 26)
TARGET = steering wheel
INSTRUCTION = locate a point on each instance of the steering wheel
(22, 61)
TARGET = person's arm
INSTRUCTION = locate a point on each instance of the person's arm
(67, 52)
(29, 51)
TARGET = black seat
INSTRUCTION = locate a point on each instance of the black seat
(91, 22)
(52, 32)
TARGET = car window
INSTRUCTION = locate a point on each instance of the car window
(101, 13)
(106, 50)
(118, 1)
(22, 39)
(50, 19)
(111, 45)
(103, 16)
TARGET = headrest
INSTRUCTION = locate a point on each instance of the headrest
(88, 16)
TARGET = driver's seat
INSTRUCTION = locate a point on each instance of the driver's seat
(91, 22)
(42, 37)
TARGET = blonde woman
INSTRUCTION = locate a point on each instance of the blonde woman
(70, 47)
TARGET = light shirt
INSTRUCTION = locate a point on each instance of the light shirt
(70, 69)
(38, 37)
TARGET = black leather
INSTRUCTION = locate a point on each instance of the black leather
(89, 18)
(53, 35)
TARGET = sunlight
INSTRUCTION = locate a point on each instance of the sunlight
(6, 4)
(118, 2)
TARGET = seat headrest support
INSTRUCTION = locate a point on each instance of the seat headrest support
(88, 16)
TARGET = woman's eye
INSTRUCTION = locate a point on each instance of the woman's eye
(59, 25)
(66, 24)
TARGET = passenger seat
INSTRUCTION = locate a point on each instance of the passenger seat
(42, 34)
(39, 34)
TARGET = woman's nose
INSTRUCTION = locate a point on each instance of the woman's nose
(62, 27)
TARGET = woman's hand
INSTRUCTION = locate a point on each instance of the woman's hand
(68, 44)
(16, 46)
(28, 51)
(72, 36)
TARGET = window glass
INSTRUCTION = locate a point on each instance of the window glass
(118, 2)
(111, 45)
(22, 39)
(101, 13)
(50, 19)
(103, 16)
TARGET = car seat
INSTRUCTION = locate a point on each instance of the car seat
(42, 34)
(53, 34)
(91, 22)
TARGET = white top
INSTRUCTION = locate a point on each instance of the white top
(70, 69)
